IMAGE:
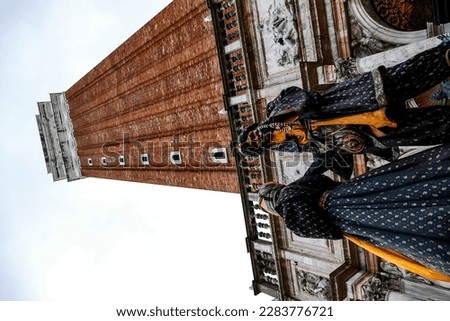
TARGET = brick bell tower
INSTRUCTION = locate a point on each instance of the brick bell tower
(152, 111)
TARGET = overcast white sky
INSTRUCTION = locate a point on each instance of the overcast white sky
(98, 239)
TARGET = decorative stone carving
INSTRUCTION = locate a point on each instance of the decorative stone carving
(345, 69)
(395, 283)
(374, 289)
(278, 29)
(363, 13)
(364, 43)
(314, 285)
(394, 270)
(379, 285)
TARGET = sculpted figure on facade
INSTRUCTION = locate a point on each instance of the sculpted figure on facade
(393, 269)
(363, 43)
(314, 285)
(374, 289)
(345, 69)
(279, 28)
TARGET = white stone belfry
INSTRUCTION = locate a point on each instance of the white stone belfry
(57, 138)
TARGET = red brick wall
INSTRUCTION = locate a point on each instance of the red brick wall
(159, 91)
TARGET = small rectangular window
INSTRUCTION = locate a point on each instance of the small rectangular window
(121, 160)
(144, 159)
(219, 155)
(90, 162)
(175, 158)
(103, 161)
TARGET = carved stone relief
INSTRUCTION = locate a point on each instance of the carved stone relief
(279, 35)
(364, 43)
(314, 285)
(390, 284)
(377, 287)
(392, 269)
(374, 290)
(345, 69)
(369, 20)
